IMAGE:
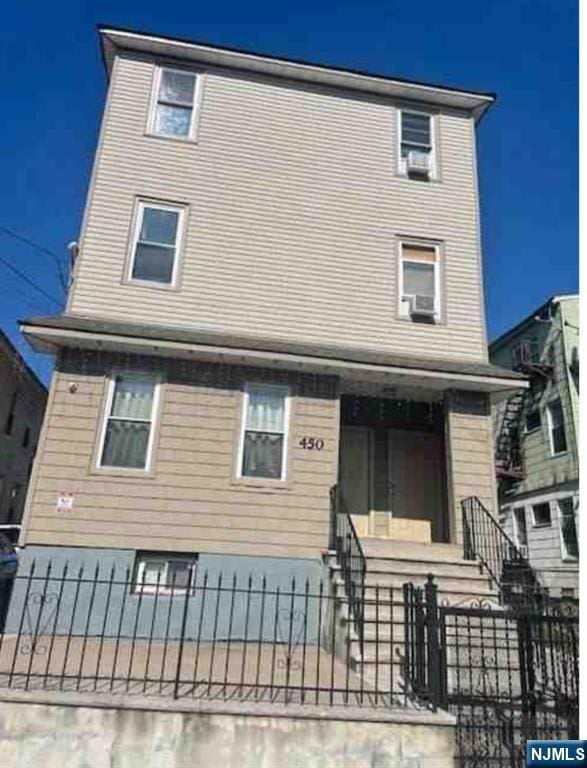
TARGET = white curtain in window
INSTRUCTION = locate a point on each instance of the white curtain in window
(133, 399)
(266, 411)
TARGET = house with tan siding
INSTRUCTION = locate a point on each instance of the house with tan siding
(278, 290)
(537, 442)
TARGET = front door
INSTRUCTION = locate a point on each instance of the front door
(355, 468)
(417, 478)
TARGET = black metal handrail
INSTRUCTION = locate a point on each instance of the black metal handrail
(345, 541)
(485, 540)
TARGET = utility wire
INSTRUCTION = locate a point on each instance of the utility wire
(30, 282)
(53, 256)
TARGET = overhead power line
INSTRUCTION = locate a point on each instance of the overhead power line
(47, 251)
(30, 282)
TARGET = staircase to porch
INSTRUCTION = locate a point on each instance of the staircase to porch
(389, 565)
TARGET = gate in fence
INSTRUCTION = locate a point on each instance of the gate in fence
(508, 675)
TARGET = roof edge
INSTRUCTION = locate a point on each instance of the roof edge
(114, 38)
(526, 321)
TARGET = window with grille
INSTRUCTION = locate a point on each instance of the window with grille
(128, 426)
(264, 431)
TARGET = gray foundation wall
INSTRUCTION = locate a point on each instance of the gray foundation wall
(52, 735)
(89, 591)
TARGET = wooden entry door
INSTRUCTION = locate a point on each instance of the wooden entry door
(355, 468)
(416, 466)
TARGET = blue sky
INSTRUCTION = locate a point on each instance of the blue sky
(525, 50)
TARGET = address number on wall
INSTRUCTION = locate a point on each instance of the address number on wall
(312, 443)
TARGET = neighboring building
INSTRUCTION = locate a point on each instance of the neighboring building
(278, 289)
(537, 441)
(22, 404)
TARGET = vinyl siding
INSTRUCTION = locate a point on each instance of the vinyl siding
(544, 543)
(295, 208)
(191, 500)
(469, 445)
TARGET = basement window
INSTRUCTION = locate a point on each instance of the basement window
(158, 573)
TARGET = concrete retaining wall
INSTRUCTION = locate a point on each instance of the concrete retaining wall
(55, 735)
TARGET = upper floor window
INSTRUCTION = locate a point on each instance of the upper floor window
(127, 432)
(264, 431)
(156, 243)
(417, 156)
(419, 282)
(556, 428)
(174, 103)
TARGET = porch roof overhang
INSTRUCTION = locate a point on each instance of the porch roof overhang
(48, 334)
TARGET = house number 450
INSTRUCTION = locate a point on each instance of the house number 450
(312, 443)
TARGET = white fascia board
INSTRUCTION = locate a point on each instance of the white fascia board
(114, 40)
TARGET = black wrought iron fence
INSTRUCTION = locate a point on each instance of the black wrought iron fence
(508, 674)
(209, 637)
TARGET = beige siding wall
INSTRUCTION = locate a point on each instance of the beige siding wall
(192, 500)
(295, 209)
(469, 444)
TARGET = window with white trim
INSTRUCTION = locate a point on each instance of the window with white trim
(568, 525)
(416, 143)
(556, 427)
(164, 574)
(263, 443)
(419, 282)
(173, 112)
(156, 242)
(128, 427)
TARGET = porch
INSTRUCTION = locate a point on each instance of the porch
(407, 457)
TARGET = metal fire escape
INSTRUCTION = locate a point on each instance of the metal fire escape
(508, 453)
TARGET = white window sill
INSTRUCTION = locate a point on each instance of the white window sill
(176, 139)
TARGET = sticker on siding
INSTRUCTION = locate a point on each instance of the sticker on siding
(64, 502)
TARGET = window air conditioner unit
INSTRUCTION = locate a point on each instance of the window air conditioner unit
(422, 306)
(418, 162)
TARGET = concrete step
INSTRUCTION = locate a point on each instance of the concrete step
(408, 550)
(456, 568)
(460, 593)
(475, 584)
